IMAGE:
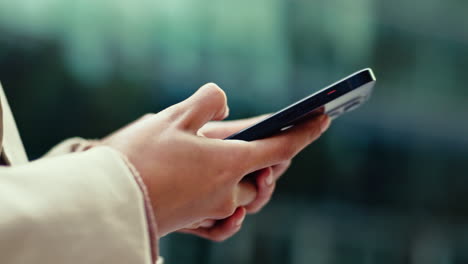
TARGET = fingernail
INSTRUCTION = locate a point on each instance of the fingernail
(269, 180)
(240, 221)
(324, 123)
(226, 112)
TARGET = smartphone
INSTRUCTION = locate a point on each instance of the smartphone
(334, 100)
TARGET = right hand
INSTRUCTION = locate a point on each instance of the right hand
(191, 178)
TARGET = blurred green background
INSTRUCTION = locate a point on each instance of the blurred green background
(387, 184)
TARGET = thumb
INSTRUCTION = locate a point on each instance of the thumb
(208, 103)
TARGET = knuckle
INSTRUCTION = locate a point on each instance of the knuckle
(214, 88)
(255, 209)
(219, 96)
(146, 116)
(226, 208)
(219, 237)
(286, 163)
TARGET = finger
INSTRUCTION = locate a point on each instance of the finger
(208, 103)
(224, 129)
(263, 182)
(285, 145)
(205, 224)
(280, 169)
(245, 193)
(265, 187)
(223, 229)
(208, 223)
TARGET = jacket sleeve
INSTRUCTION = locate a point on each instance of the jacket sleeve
(82, 207)
(70, 145)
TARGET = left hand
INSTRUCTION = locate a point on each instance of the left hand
(265, 180)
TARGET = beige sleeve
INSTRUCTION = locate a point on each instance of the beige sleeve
(70, 145)
(79, 208)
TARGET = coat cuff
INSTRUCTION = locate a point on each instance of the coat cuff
(78, 144)
(84, 206)
(71, 145)
(149, 211)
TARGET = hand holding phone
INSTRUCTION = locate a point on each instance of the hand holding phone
(334, 100)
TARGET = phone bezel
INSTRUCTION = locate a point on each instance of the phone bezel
(329, 100)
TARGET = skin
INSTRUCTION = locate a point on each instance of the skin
(265, 180)
(197, 182)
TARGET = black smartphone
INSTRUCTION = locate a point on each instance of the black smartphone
(334, 100)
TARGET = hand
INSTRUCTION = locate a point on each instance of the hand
(220, 230)
(192, 178)
(265, 180)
